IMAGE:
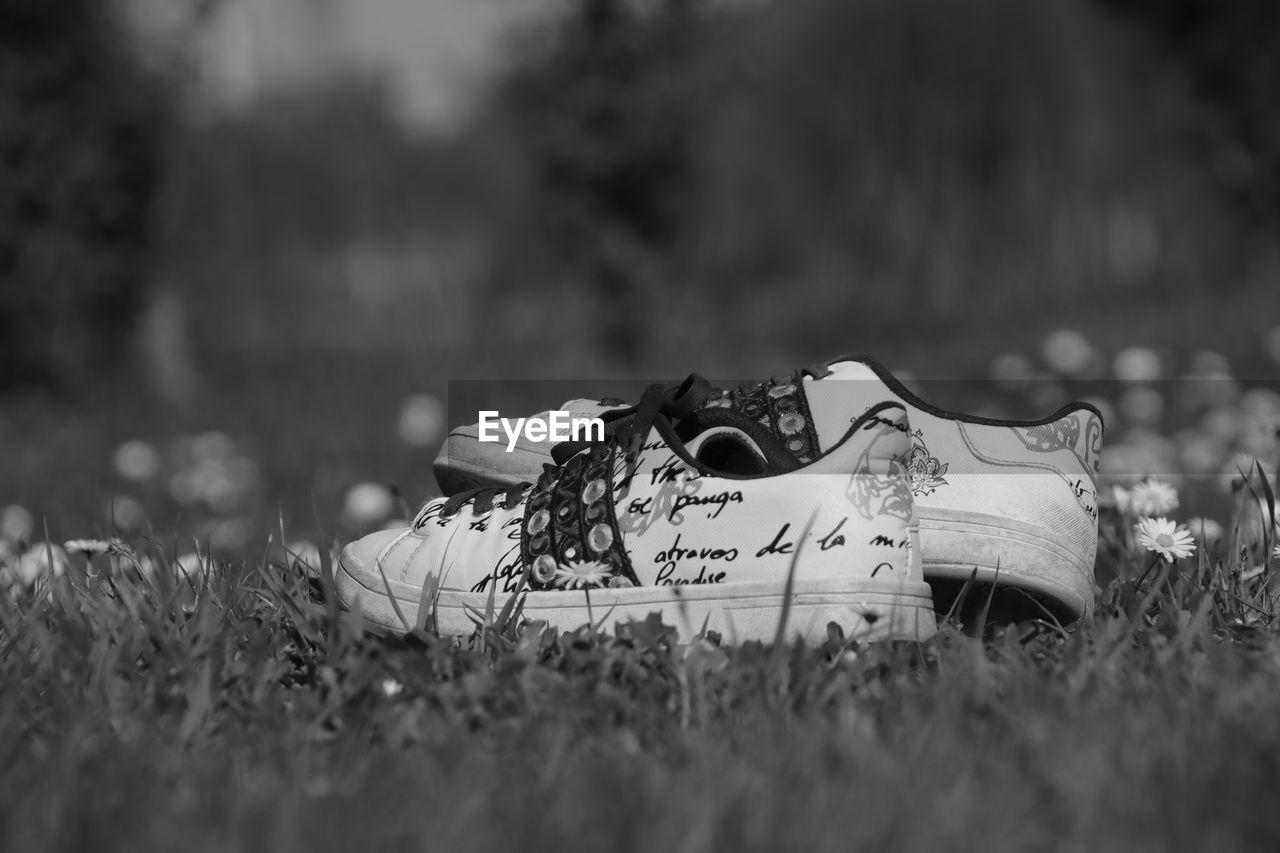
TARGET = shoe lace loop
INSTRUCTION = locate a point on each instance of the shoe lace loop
(630, 427)
(483, 498)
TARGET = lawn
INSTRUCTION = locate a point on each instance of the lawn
(249, 716)
(228, 704)
(234, 706)
(174, 671)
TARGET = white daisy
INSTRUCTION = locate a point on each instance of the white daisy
(1153, 498)
(584, 574)
(1205, 529)
(1161, 536)
(114, 547)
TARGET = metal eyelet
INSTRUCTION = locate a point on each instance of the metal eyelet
(544, 569)
(538, 521)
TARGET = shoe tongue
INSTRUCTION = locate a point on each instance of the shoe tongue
(732, 443)
(845, 390)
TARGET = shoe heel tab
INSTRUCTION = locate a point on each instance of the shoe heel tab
(1083, 407)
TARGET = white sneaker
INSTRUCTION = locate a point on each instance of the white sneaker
(1013, 501)
(709, 522)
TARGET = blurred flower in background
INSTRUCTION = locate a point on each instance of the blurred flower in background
(1208, 531)
(315, 224)
(1068, 353)
(367, 504)
(1152, 497)
(422, 421)
(1137, 364)
(303, 556)
(16, 524)
(137, 461)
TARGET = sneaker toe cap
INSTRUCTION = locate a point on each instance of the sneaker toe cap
(386, 553)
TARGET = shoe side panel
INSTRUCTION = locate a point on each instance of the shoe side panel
(683, 527)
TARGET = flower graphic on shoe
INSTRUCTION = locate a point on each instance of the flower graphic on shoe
(926, 471)
(582, 575)
(1161, 536)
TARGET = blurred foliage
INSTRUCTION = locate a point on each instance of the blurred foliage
(82, 135)
(652, 184)
(815, 175)
(601, 104)
(311, 203)
(1231, 51)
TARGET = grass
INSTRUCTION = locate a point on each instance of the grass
(240, 709)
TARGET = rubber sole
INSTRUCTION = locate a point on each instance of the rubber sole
(868, 610)
(957, 545)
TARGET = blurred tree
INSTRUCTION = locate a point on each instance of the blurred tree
(933, 159)
(603, 110)
(1231, 49)
(82, 130)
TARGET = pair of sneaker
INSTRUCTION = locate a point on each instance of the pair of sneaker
(830, 495)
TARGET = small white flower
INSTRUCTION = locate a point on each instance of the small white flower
(1121, 498)
(86, 546)
(1067, 352)
(368, 503)
(390, 688)
(16, 523)
(1152, 498)
(422, 419)
(1161, 536)
(1205, 529)
(40, 561)
(115, 547)
(584, 575)
(137, 461)
(190, 567)
(1137, 364)
(305, 556)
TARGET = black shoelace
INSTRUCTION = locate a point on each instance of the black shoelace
(631, 425)
(628, 428)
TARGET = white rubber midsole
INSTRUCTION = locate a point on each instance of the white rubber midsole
(955, 543)
(865, 609)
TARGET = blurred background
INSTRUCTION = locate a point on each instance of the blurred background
(246, 244)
